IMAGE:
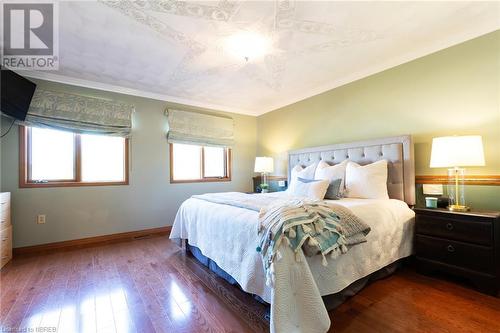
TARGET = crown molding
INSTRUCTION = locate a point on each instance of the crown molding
(48, 76)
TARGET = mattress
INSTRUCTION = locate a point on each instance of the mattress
(228, 236)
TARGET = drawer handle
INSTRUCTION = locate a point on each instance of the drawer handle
(450, 248)
(5, 239)
(449, 226)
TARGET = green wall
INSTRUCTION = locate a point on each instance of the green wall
(452, 92)
(149, 201)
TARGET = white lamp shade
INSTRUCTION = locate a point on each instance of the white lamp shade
(264, 164)
(457, 151)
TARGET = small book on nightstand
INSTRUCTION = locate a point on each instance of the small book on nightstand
(466, 244)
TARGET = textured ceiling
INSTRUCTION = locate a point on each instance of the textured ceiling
(174, 50)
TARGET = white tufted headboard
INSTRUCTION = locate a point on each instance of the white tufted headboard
(398, 151)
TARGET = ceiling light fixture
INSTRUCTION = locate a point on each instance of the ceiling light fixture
(247, 45)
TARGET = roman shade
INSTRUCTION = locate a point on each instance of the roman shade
(200, 129)
(77, 113)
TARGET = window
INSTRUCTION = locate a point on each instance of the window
(192, 163)
(57, 158)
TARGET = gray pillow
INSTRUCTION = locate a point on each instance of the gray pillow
(333, 191)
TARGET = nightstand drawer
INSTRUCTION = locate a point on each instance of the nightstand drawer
(474, 257)
(461, 230)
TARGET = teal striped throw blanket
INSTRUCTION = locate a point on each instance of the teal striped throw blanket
(316, 227)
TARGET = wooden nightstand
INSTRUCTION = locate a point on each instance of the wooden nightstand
(273, 182)
(464, 244)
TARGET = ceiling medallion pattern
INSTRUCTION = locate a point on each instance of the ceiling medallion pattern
(341, 36)
(136, 11)
(183, 73)
(274, 64)
(181, 49)
(335, 44)
(284, 14)
(285, 20)
(272, 75)
(220, 12)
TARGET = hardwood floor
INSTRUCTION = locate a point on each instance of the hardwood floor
(150, 285)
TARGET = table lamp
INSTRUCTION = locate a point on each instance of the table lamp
(456, 152)
(264, 165)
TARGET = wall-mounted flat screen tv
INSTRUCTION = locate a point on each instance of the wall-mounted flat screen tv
(16, 92)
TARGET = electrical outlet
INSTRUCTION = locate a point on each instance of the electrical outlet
(40, 219)
(281, 183)
(433, 189)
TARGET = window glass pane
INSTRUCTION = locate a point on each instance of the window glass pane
(103, 158)
(214, 162)
(52, 154)
(186, 162)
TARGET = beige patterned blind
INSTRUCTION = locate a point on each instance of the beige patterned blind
(199, 128)
(77, 113)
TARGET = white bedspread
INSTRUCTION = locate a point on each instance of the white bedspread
(228, 236)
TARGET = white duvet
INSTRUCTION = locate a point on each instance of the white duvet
(228, 236)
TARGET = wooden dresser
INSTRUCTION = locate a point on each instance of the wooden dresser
(465, 244)
(5, 229)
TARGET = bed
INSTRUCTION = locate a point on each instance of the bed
(227, 235)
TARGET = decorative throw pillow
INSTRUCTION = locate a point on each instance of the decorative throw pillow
(332, 173)
(310, 188)
(333, 191)
(299, 171)
(368, 181)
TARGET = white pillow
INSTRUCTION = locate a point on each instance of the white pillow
(332, 172)
(367, 182)
(299, 171)
(311, 189)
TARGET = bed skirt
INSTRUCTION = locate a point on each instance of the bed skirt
(331, 301)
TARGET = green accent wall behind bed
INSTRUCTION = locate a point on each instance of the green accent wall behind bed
(452, 92)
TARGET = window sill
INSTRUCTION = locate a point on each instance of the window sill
(69, 184)
(206, 180)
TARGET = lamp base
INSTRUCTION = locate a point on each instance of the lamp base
(458, 208)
